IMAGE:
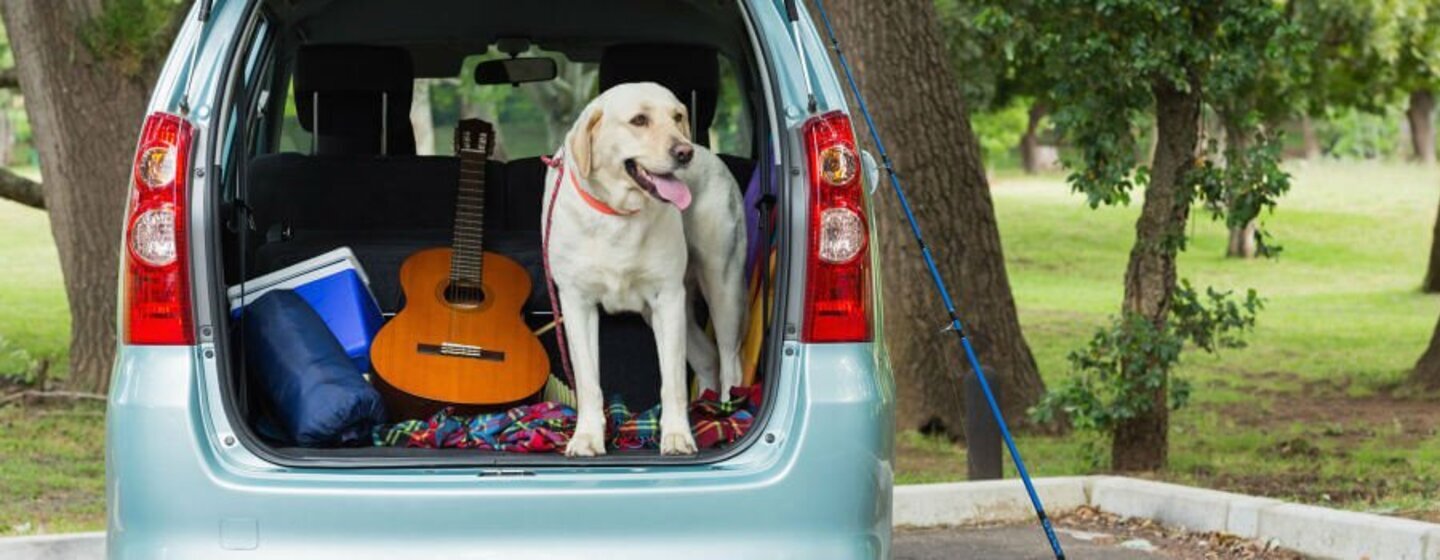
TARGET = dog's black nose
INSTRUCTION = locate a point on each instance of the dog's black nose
(682, 153)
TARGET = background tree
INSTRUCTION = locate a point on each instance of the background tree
(1347, 67)
(423, 119)
(1108, 62)
(95, 62)
(1419, 67)
(905, 71)
(997, 77)
(1255, 86)
(1415, 62)
(563, 98)
(1427, 369)
(1413, 57)
(13, 187)
(1366, 55)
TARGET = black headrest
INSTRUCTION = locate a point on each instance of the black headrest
(684, 69)
(356, 85)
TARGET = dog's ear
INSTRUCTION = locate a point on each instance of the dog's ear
(582, 137)
(684, 126)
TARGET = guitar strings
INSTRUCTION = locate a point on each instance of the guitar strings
(473, 152)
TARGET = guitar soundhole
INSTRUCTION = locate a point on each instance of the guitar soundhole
(464, 294)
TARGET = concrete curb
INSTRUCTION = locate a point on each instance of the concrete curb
(1311, 530)
(53, 547)
(989, 501)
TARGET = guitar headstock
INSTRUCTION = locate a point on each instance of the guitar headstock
(474, 135)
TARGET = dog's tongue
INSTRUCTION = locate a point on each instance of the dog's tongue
(672, 189)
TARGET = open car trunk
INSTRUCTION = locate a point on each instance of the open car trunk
(348, 109)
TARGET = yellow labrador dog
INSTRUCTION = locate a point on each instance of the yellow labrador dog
(641, 210)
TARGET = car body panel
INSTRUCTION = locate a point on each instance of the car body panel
(816, 483)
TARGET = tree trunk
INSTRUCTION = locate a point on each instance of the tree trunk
(1427, 370)
(902, 65)
(1030, 143)
(86, 115)
(1432, 272)
(7, 136)
(1243, 244)
(1154, 144)
(1422, 126)
(561, 99)
(1141, 443)
(1310, 138)
(423, 120)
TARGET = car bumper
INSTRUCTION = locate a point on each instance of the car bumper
(817, 484)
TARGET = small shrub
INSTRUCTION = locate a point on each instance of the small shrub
(1126, 361)
(17, 366)
(1354, 134)
(999, 131)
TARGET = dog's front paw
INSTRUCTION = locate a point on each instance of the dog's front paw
(677, 443)
(586, 444)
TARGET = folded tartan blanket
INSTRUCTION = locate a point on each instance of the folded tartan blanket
(546, 426)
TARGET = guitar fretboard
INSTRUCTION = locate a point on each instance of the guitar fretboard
(468, 250)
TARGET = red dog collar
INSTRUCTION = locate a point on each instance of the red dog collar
(558, 162)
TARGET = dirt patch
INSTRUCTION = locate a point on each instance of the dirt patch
(1313, 488)
(1100, 527)
(1327, 412)
(1321, 431)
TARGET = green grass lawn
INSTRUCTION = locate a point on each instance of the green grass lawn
(51, 458)
(1313, 410)
(33, 313)
(52, 469)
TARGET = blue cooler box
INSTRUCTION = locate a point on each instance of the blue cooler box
(335, 285)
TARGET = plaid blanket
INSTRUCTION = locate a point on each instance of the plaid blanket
(523, 429)
(714, 422)
(546, 426)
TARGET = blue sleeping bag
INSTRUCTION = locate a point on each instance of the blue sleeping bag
(315, 392)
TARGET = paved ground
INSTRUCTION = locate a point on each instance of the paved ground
(1019, 543)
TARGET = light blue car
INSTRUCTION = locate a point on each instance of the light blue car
(258, 153)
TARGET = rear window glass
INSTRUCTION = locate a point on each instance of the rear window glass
(732, 132)
(531, 119)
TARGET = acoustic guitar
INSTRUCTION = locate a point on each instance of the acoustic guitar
(460, 339)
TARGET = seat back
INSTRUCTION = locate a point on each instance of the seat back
(336, 193)
(355, 99)
(691, 72)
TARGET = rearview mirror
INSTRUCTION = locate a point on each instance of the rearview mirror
(515, 71)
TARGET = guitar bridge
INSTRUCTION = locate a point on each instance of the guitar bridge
(460, 351)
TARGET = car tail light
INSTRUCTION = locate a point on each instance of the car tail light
(157, 283)
(837, 295)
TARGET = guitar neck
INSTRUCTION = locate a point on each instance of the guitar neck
(467, 257)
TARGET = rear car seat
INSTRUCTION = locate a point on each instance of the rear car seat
(385, 203)
(376, 197)
(358, 97)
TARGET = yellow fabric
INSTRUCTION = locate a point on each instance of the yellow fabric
(557, 391)
(755, 332)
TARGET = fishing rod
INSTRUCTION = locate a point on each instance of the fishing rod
(954, 325)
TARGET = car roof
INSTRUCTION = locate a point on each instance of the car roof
(440, 33)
